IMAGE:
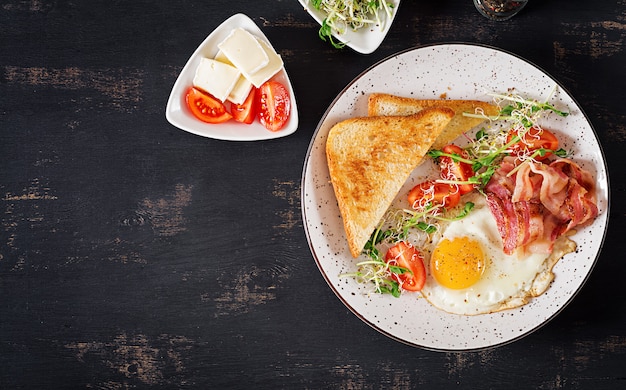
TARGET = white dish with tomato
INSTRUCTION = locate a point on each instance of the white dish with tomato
(493, 301)
(234, 87)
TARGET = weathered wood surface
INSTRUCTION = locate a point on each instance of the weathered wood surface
(134, 255)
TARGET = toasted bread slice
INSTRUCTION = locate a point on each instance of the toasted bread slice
(385, 104)
(370, 158)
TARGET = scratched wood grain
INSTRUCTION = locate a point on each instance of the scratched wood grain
(135, 255)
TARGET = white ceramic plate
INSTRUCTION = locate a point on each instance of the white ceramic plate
(459, 71)
(364, 40)
(179, 115)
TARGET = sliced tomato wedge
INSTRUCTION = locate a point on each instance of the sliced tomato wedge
(456, 170)
(534, 139)
(273, 105)
(246, 111)
(404, 255)
(433, 193)
(205, 107)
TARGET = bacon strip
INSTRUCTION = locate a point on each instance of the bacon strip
(547, 181)
(539, 202)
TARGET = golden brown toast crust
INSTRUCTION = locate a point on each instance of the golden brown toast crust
(370, 158)
(386, 104)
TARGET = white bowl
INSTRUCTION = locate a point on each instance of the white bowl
(364, 40)
(179, 115)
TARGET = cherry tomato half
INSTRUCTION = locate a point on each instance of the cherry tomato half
(405, 255)
(534, 139)
(205, 107)
(273, 105)
(456, 170)
(246, 111)
(433, 193)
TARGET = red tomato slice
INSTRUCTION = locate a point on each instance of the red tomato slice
(405, 255)
(433, 193)
(456, 170)
(205, 107)
(273, 105)
(245, 112)
(535, 138)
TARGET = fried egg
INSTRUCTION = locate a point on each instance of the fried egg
(468, 272)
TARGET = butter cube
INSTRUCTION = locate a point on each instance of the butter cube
(216, 78)
(244, 51)
(242, 88)
(273, 66)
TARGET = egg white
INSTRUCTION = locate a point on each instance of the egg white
(507, 280)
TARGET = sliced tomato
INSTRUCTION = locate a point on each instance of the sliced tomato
(205, 107)
(433, 193)
(534, 139)
(246, 111)
(404, 255)
(456, 170)
(273, 105)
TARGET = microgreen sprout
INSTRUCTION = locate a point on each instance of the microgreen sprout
(521, 112)
(376, 270)
(342, 15)
(326, 32)
(379, 272)
(489, 147)
(527, 106)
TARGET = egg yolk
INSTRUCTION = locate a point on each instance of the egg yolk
(457, 263)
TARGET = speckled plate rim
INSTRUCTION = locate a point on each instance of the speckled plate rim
(428, 327)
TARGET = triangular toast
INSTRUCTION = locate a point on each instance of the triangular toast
(370, 158)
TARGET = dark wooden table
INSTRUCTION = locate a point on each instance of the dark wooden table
(134, 254)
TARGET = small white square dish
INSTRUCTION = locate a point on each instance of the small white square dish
(364, 40)
(179, 115)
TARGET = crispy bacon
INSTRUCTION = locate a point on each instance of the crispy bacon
(535, 180)
(539, 202)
